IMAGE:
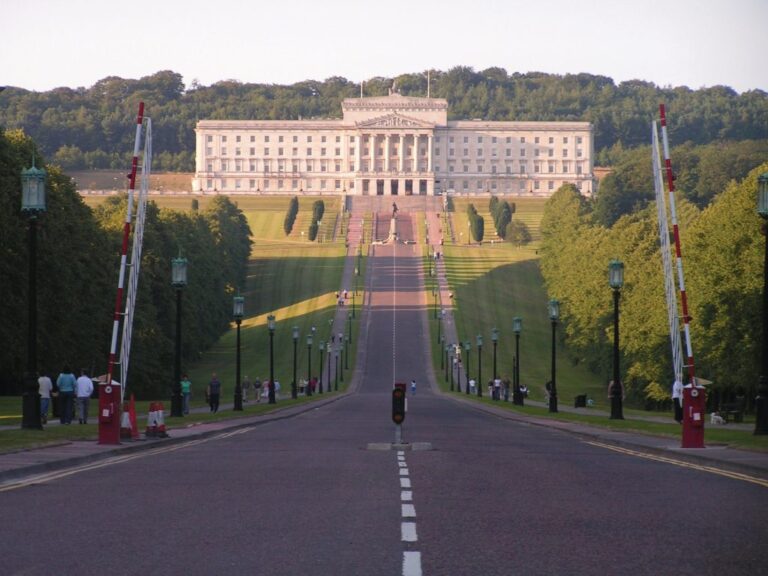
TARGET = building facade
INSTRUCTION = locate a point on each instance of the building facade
(392, 145)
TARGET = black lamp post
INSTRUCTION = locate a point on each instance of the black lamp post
(341, 359)
(336, 362)
(32, 204)
(467, 347)
(434, 293)
(238, 306)
(271, 326)
(442, 358)
(294, 384)
(495, 340)
(322, 355)
(309, 359)
(616, 281)
(178, 281)
(479, 365)
(349, 336)
(448, 364)
(439, 325)
(517, 396)
(761, 401)
(554, 314)
(328, 346)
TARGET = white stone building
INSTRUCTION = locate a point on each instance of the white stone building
(392, 145)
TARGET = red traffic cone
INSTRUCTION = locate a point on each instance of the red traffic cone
(160, 419)
(152, 421)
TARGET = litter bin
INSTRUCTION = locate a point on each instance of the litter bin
(580, 401)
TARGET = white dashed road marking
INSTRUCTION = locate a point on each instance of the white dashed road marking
(412, 564)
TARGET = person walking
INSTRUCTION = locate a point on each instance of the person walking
(84, 387)
(45, 386)
(214, 393)
(245, 387)
(413, 386)
(257, 389)
(186, 393)
(66, 383)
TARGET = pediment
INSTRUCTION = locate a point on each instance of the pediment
(394, 121)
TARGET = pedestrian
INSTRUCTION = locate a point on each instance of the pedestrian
(497, 389)
(472, 385)
(45, 386)
(345, 293)
(257, 389)
(413, 386)
(186, 392)
(214, 393)
(507, 383)
(245, 387)
(677, 398)
(66, 384)
(84, 387)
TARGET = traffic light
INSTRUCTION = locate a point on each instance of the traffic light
(398, 404)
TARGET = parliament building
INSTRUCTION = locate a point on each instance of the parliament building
(392, 145)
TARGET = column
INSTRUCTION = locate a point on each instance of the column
(387, 152)
(415, 153)
(359, 152)
(402, 152)
(429, 153)
(373, 152)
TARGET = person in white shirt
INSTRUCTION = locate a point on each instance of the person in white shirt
(84, 389)
(45, 386)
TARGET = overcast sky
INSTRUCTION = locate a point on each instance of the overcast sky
(694, 43)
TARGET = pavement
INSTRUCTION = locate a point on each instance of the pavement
(68, 454)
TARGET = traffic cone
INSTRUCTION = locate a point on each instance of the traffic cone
(152, 420)
(161, 433)
(132, 417)
(125, 423)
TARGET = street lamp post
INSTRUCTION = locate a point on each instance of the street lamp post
(341, 360)
(328, 346)
(178, 281)
(479, 365)
(294, 384)
(467, 347)
(32, 204)
(238, 309)
(495, 340)
(517, 395)
(309, 360)
(616, 281)
(271, 326)
(322, 355)
(761, 401)
(336, 365)
(448, 365)
(349, 335)
(442, 358)
(554, 314)
(439, 324)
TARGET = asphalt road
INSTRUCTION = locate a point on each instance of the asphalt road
(309, 494)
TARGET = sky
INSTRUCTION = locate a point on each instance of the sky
(75, 43)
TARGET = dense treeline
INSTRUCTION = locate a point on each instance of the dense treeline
(78, 259)
(723, 262)
(86, 127)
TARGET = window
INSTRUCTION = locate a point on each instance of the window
(266, 138)
(210, 167)
(509, 139)
(508, 152)
(223, 138)
(466, 139)
(279, 184)
(551, 185)
(323, 167)
(466, 151)
(251, 184)
(338, 139)
(565, 153)
(237, 138)
(479, 167)
(522, 140)
(578, 168)
(509, 169)
(279, 151)
(451, 151)
(322, 184)
(252, 151)
(252, 167)
(266, 184)
(309, 151)
(253, 138)
(493, 169)
(295, 167)
(522, 152)
(550, 153)
(294, 184)
(338, 166)
(238, 165)
(536, 140)
(565, 139)
(280, 138)
(337, 184)
(450, 139)
(266, 151)
(450, 168)
(536, 152)
(237, 151)
(493, 140)
(295, 139)
(465, 184)
(223, 151)
(309, 165)
(565, 167)
(536, 185)
(578, 139)
(309, 184)
(322, 151)
(223, 165)
(351, 166)
(551, 140)
(266, 165)
(294, 151)
(352, 139)
(337, 151)
(578, 152)
(522, 167)
(479, 139)
(209, 151)
(237, 183)
(351, 151)
(437, 151)
(479, 184)
(466, 167)
(309, 138)
(536, 167)
(209, 138)
(494, 152)
(493, 184)
(551, 167)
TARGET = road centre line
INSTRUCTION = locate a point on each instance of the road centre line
(412, 564)
(406, 495)
(408, 532)
(405, 482)
(408, 510)
(684, 464)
